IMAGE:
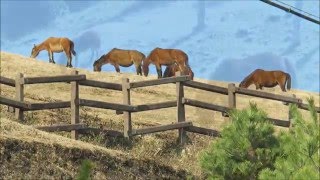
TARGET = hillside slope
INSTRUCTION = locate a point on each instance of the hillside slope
(160, 148)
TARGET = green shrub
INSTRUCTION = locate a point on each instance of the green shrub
(300, 149)
(85, 170)
(246, 146)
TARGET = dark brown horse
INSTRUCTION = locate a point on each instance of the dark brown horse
(159, 56)
(171, 70)
(120, 57)
(261, 78)
(57, 45)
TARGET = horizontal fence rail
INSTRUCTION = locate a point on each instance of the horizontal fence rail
(279, 122)
(267, 95)
(99, 84)
(206, 87)
(13, 103)
(153, 106)
(203, 131)
(159, 81)
(161, 128)
(61, 127)
(98, 131)
(205, 105)
(7, 81)
(50, 105)
(53, 79)
(106, 105)
(305, 107)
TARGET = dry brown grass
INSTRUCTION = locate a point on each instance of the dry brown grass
(161, 147)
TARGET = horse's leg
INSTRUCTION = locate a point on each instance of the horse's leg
(69, 57)
(137, 64)
(50, 57)
(282, 86)
(116, 66)
(159, 71)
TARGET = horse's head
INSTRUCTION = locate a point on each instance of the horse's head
(97, 64)
(35, 51)
(243, 84)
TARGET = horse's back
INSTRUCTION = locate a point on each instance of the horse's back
(61, 41)
(117, 54)
(168, 54)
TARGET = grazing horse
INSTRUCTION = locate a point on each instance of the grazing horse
(120, 57)
(54, 44)
(159, 56)
(261, 78)
(171, 70)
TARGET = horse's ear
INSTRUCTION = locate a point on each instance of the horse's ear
(34, 45)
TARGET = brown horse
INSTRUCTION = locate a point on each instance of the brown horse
(261, 78)
(57, 45)
(120, 57)
(159, 56)
(171, 70)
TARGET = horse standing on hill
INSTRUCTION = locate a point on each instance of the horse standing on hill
(120, 57)
(57, 45)
(159, 56)
(171, 70)
(261, 78)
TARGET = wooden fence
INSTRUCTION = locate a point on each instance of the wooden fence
(126, 108)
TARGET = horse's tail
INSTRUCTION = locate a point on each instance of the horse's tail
(72, 49)
(288, 79)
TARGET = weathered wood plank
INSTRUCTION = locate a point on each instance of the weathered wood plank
(160, 128)
(106, 105)
(127, 125)
(204, 131)
(305, 107)
(14, 103)
(75, 105)
(19, 96)
(205, 105)
(159, 81)
(181, 114)
(206, 87)
(232, 96)
(52, 79)
(267, 95)
(99, 84)
(61, 127)
(97, 131)
(7, 81)
(153, 106)
(49, 105)
(279, 122)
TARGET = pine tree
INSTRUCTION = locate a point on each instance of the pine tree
(246, 146)
(300, 149)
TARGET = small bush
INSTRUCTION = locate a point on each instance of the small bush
(85, 170)
(300, 149)
(246, 146)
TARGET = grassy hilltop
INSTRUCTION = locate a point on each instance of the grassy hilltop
(28, 153)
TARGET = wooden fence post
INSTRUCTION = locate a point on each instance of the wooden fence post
(180, 110)
(127, 126)
(19, 95)
(74, 105)
(232, 95)
(290, 116)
